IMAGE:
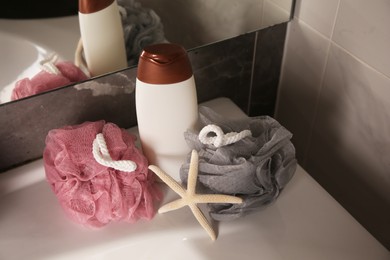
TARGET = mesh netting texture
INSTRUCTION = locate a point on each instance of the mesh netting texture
(45, 81)
(92, 194)
(256, 168)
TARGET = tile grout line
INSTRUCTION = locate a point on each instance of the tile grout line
(282, 69)
(262, 13)
(252, 73)
(314, 120)
(341, 47)
(350, 53)
(361, 61)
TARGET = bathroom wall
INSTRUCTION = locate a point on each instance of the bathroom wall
(335, 98)
(214, 18)
(205, 21)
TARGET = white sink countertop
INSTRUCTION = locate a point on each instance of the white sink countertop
(304, 223)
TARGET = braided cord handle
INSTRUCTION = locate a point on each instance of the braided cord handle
(221, 139)
(101, 154)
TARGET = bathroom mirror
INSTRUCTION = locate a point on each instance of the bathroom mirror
(200, 22)
(186, 22)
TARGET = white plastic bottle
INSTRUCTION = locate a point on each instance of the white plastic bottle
(166, 105)
(102, 36)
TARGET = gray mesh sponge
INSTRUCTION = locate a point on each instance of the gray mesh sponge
(255, 168)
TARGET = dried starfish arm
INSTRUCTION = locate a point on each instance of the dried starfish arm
(203, 221)
(199, 198)
(192, 173)
(216, 198)
(176, 204)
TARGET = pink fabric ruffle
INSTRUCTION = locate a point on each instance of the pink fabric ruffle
(44, 81)
(90, 193)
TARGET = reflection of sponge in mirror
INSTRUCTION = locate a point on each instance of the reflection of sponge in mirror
(141, 26)
(65, 73)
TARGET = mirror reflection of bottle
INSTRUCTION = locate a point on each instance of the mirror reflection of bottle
(166, 105)
(102, 36)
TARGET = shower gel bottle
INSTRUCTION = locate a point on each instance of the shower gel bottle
(102, 36)
(166, 105)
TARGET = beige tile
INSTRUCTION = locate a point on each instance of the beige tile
(319, 14)
(273, 14)
(284, 4)
(363, 29)
(355, 109)
(350, 146)
(304, 62)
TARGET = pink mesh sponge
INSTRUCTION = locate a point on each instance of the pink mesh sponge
(93, 194)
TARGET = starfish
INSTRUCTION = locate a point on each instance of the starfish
(189, 197)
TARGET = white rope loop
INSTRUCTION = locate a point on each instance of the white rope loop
(49, 66)
(221, 139)
(102, 156)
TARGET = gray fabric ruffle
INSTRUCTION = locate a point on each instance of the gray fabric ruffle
(255, 168)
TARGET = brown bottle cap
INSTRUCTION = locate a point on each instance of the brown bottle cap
(93, 6)
(164, 63)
